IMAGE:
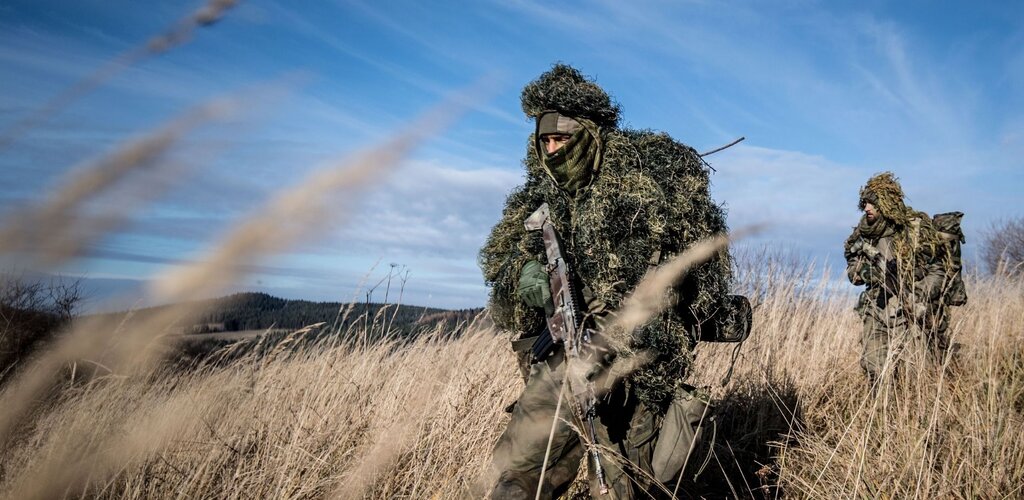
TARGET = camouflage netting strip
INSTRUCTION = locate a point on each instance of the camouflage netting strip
(566, 90)
(506, 250)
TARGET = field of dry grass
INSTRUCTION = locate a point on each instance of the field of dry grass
(98, 414)
(385, 420)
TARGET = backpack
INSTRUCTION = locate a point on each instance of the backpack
(951, 237)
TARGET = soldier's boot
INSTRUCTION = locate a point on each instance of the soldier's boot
(620, 487)
(874, 358)
(516, 486)
(513, 485)
(560, 476)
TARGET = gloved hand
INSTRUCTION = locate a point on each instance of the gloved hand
(868, 250)
(535, 287)
(861, 247)
(871, 274)
(870, 271)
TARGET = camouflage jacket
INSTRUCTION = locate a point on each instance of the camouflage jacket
(895, 290)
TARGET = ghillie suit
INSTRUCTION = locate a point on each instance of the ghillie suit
(623, 201)
(902, 260)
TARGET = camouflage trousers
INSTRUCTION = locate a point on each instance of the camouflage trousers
(639, 449)
(885, 336)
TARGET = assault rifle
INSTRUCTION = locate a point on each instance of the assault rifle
(565, 326)
(890, 283)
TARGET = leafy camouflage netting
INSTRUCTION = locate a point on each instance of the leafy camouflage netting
(566, 90)
(884, 191)
(651, 196)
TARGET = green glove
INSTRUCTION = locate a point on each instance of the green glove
(534, 287)
(871, 274)
(866, 274)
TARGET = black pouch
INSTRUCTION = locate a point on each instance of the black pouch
(536, 347)
(731, 324)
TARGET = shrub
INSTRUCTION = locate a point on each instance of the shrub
(1002, 246)
(31, 311)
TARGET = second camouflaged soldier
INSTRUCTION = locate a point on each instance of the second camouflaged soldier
(622, 201)
(899, 256)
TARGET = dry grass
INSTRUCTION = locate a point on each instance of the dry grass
(386, 419)
(953, 430)
(338, 420)
(418, 420)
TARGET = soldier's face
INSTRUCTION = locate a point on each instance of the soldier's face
(871, 212)
(554, 142)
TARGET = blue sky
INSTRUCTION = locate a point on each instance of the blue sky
(827, 94)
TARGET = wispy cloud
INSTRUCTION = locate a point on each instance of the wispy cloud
(430, 209)
(59, 60)
(918, 93)
(435, 89)
(429, 217)
(807, 200)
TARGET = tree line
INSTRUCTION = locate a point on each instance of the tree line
(261, 311)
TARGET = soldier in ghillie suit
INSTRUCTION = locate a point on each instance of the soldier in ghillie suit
(897, 253)
(622, 201)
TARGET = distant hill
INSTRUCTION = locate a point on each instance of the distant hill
(260, 311)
